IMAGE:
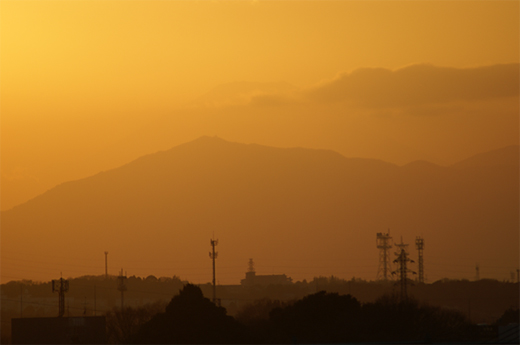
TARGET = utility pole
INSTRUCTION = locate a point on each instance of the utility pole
(61, 286)
(518, 275)
(94, 300)
(477, 272)
(21, 300)
(469, 309)
(106, 265)
(402, 259)
(419, 244)
(383, 244)
(213, 255)
(121, 286)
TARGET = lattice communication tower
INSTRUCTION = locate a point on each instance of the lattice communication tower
(383, 243)
(419, 244)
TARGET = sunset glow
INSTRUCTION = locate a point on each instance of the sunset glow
(89, 86)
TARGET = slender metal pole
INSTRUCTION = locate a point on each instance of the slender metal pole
(213, 256)
(214, 278)
(94, 300)
(106, 265)
(62, 298)
(21, 300)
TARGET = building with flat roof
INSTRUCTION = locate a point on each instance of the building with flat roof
(59, 330)
(253, 279)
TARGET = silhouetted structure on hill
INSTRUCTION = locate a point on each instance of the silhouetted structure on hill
(263, 280)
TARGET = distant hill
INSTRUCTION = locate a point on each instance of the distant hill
(502, 157)
(296, 211)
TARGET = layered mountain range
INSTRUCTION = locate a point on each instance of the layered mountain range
(301, 212)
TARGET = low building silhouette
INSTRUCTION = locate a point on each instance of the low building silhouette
(252, 279)
(59, 330)
(508, 334)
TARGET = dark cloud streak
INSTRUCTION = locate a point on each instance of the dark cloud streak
(417, 85)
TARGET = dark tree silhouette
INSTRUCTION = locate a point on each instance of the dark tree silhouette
(255, 316)
(318, 318)
(391, 319)
(511, 315)
(258, 311)
(123, 324)
(333, 318)
(190, 318)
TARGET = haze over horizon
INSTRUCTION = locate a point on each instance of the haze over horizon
(155, 215)
(91, 86)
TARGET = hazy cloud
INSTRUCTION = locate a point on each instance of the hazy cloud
(419, 85)
(18, 173)
(243, 93)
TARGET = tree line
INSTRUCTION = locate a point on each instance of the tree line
(321, 317)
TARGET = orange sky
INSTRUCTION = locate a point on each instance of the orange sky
(90, 85)
(81, 79)
(125, 54)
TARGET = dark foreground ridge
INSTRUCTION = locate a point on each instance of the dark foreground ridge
(318, 318)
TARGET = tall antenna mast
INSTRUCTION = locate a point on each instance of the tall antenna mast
(251, 266)
(383, 244)
(213, 255)
(419, 244)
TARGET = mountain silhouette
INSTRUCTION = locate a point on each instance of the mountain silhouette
(501, 157)
(310, 211)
